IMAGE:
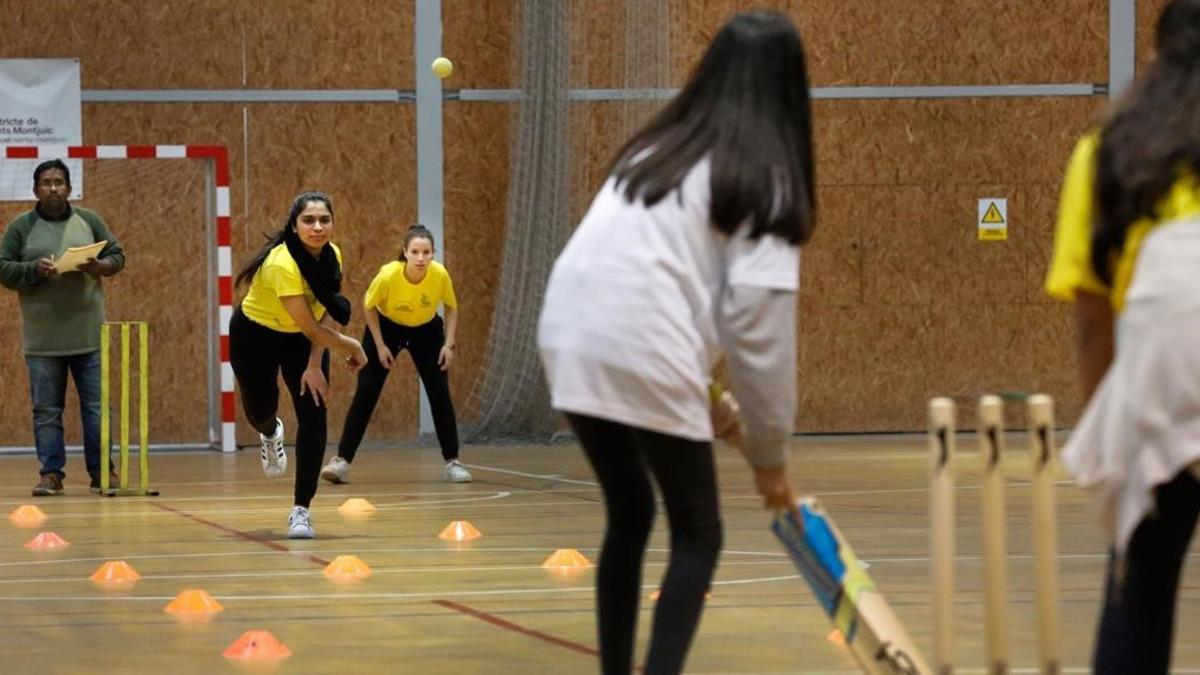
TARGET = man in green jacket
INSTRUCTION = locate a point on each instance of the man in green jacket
(61, 315)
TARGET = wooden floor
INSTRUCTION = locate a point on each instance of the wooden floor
(488, 606)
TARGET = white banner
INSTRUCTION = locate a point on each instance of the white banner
(40, 104)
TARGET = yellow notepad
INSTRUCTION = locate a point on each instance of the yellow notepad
(78, 255)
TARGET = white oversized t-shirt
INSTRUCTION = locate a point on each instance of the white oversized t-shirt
(628, 330)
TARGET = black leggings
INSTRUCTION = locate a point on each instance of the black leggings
(424, 344)
(257, 355)
(1138, 624)
(624, 458)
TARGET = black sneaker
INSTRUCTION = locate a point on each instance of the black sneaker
(51, 484)
(114, 481)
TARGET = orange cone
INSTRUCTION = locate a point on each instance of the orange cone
(115, 573)
(27, 515)
(566, 558)
(257, 644)
(193, 602)
(46, 541)
(835, 636)
(459, 530)
(347, 568)
(356, 506)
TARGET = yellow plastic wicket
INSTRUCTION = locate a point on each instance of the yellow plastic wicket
(143, 409)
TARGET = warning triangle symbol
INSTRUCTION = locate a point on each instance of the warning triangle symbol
(992, 216)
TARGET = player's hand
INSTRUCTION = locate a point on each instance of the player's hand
(46, 268)
(96, 268)
(313, 381)
(357, 358)
(446, 357)
(776, 489)
(725, 423)
(386, 357)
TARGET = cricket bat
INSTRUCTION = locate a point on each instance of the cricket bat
(845, 591)
(824, 558)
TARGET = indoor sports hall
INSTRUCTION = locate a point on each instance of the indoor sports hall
(937, 381)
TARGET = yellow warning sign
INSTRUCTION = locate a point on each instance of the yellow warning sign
(992, 219)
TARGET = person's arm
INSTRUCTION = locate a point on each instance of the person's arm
(112, 258)
(313, 379)
(758, 327)
(322, 336)
(16, 273)
(446, 356)
(385, 355)
(1094, 323)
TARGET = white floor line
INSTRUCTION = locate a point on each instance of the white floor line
(557, 478)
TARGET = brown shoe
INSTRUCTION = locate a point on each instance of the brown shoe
(50, 485)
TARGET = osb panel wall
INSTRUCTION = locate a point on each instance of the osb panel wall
(476, 161)
(1147, 18)
(925, 42)
(156, 209)
(898, 297)
(220, 44)
(900, 301)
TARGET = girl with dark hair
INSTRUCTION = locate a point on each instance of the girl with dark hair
(284, 325)
(401, 308)
(1127, 250)
(690, 249)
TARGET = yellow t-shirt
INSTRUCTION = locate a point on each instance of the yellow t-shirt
(406, 303)
(279, 277)
(1071, 268)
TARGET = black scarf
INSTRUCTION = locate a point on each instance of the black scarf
(324, 276)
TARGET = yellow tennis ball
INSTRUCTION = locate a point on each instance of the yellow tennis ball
(442, 67)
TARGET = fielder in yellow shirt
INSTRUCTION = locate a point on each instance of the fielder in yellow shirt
(401, 310)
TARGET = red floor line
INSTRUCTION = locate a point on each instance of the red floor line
(508, 625)
(243, 535)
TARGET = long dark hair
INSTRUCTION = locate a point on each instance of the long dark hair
(417, 231)
(747, 106)
(280, 236)
(1151, 135)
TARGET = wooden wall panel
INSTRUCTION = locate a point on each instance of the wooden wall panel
(329, 44)
(132, 45)
(1147, 19)
(896, 290)
(479, 38)
(925, 42)
(475, 215)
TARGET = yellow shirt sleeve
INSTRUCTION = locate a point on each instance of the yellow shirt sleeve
(1071, 267)
(377, 293)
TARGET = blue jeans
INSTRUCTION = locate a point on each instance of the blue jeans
(48, 390)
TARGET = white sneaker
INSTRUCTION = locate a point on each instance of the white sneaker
(456, 472)
(273, 456)
(300, 524)
(336, 470)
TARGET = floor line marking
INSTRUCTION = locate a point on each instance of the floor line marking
(246, 536)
